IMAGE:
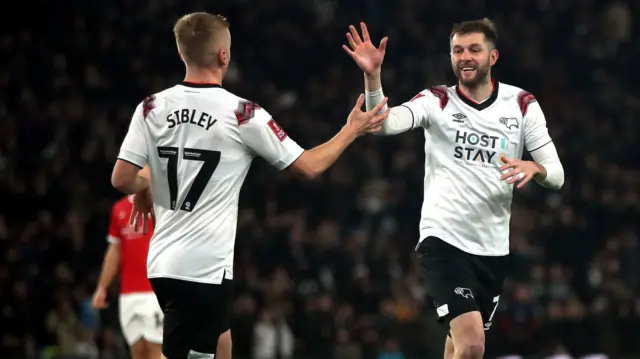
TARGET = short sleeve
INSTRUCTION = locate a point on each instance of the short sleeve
(267, 139)
(134, 146)
(114, 228)
(423, 106)
(536, 134)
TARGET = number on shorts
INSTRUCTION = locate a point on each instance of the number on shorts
(496, 300)
(159, 319)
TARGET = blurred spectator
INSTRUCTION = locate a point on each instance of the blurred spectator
(272, 337)
(319, 327)
(391, 350)
(65, 326)
(345, 348)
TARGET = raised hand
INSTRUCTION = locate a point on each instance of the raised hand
(142, 211)
(367, 122)
(363, 52)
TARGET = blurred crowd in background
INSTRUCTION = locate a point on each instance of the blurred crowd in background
(327, 268)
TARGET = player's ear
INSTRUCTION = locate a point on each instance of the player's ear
(223, 57)
(493, 56)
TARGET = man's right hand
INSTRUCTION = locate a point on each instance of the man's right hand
(366, 122)
(142, 212)
(100, 299)
(363, 52)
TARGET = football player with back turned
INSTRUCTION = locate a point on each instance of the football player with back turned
(199, 141)
(475, 133)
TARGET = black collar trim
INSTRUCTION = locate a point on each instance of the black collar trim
(483, 105)
(199, 84)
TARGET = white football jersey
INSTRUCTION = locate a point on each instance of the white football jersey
(199, 141)
(465, 202)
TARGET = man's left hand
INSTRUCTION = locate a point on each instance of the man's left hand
(518, 171)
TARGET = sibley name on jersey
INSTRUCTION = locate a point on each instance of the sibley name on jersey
(199, 142)
(186, 115)
(465, 202)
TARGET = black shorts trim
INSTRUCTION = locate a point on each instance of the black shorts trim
(459, 282)
(195, 314)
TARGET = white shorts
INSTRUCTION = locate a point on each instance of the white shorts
(141, 317)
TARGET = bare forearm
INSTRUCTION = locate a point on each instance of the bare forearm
(144, 173)
(323, 156)
(126, 177)
(138, 184)
(327, 153)
(110, 266)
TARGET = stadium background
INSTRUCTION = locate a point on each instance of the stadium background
(331, 261)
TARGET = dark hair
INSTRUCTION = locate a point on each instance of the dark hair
(483, 26)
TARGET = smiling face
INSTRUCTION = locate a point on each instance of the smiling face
(472, 57)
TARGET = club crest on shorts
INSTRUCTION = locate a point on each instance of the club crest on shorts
(465, 292)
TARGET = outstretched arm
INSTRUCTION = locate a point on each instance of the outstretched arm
(267, 139)
(369, 59)
(400, 118)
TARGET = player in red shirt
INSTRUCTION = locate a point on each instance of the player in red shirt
(140, 314)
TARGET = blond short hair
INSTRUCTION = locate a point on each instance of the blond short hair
(199, 37)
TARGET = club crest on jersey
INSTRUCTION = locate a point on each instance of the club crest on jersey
(510, 122)
(277, 130)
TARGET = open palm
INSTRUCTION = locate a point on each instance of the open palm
(363, 52)
(142, 212)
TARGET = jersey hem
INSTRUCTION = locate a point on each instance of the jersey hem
(133, 158)
(294, 157)
(445, 238)
(216, 281)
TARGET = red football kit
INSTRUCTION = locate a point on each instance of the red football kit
(134, 247)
